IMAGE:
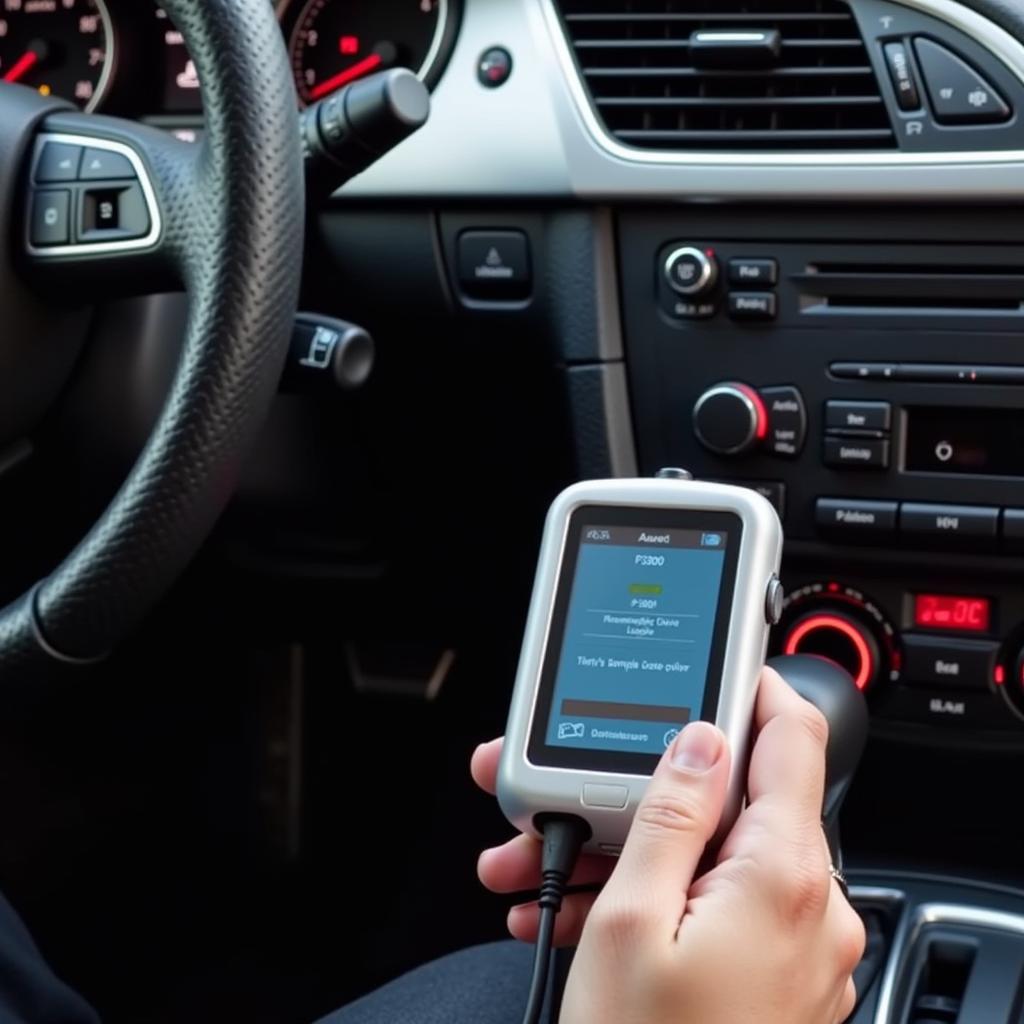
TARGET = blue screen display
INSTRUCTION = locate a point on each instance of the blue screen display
(637, 644)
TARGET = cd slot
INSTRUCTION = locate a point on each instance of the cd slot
(863, 288)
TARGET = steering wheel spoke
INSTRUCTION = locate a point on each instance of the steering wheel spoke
(105, 200)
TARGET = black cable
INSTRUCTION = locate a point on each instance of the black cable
(563, 839)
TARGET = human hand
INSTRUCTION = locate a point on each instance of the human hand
(766, 934)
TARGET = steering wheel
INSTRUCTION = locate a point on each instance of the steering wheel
(100, 207)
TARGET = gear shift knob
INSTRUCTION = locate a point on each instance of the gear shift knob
(832, 691)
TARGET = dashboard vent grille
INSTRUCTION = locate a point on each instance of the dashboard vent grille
(814, 88)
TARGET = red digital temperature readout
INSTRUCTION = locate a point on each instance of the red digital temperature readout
(952, 611)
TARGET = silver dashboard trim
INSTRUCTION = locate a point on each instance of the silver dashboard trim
(909, 930)
(1009, 50)
(530, 138)
(97, 248)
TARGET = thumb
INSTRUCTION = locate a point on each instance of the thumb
(677, 816)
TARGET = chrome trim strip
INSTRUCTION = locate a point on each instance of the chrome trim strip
(93, 248)
(999, 42)
(909, 930)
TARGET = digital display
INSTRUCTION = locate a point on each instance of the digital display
(972, 441)
(952, 611)
(640, 616)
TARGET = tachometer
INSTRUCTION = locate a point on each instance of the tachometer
(334, 42)
(60, 47)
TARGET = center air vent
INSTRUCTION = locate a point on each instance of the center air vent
(728, 74)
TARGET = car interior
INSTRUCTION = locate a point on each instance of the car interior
(311, 308)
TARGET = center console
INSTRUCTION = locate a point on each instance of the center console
(866, 375)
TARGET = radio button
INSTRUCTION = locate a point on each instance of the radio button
(840, 415)
(787, 420)
(853, 453)
(856, 517)
(752, 305)
(748, 272)
(1013, 528)
(965, 664)
(613, 797)
(973, 522)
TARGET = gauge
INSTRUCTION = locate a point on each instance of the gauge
(60, 47)
(334, 42)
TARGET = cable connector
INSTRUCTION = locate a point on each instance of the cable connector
(563, 838)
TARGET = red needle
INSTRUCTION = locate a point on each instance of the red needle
(22, 65)
(357, 70)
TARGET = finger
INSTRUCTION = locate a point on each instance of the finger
(483, 765)
(673, 823)
(522, 919)
(848, 1003)
(788, 759)
(515, 867)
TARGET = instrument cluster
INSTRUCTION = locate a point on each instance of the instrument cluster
(127, 58)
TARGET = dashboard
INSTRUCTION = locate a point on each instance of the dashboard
(125, 58)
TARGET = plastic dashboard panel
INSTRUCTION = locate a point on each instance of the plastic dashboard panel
(536, 135)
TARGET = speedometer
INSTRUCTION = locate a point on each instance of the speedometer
(60, 47)
(334, 42)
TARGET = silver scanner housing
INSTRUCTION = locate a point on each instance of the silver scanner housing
(526, 789)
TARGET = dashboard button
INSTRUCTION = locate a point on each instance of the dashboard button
(839, 515)
(58, 162)
(1013, 528)
(902, 76)
(936, 661)
(974, 522)
(494, 265)
(939, 706)
(752, 305)
(51, 218)
(494, 67)
(614, 797)
(841, 415)
(753, 271)
(787, 420)
(102, 164)
(958, 93)
(854, 453)
(691, 271)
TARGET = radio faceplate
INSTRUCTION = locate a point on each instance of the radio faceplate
(907, 358)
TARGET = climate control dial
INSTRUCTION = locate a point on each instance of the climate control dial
(730, 418)
(842, 625)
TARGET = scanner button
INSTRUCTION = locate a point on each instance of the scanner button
(605, 796)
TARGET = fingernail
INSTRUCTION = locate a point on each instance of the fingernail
(698, 747)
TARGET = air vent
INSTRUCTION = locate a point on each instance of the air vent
(728, 74)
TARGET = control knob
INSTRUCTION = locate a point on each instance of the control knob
(730, 418)
(691, 271)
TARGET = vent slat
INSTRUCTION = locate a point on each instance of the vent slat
(817, 90)
(740, 101)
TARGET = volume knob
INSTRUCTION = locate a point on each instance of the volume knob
(730, 418)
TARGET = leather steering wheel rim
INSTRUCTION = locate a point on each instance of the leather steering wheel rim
(235, 235)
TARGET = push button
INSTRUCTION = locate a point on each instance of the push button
(858, 415)
(101, 164)
(51, 218)
(874, 518)
(753, 272)
(902, 76)
(854, 453)
(58, 162)
(494, 264)
(958, 93)
(787, 420)
(935, 661)
(971, 522)
(613, 797)
(1013, 528)
(752, 305)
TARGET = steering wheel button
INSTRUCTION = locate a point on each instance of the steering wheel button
(58, 162)
(104, 164)
(51, 218)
